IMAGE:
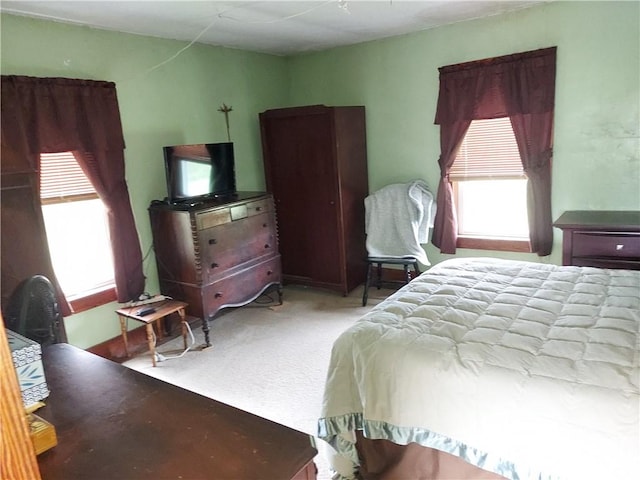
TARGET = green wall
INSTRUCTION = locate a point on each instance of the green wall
(173, 104)
(597, 138)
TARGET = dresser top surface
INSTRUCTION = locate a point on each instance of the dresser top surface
(204, 204)
(600, 219)
(115, 422)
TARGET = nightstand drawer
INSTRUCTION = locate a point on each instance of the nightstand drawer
(605, 244)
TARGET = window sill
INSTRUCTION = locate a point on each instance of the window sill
(499, 244)
(93, 299)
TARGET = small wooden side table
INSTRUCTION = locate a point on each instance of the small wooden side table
(162, 309)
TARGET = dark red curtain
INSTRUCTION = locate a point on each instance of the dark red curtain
(45, 115)
(519, 86)
(445, 228)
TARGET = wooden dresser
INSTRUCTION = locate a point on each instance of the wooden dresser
(216, 254)
(606, 239)
(113, 422)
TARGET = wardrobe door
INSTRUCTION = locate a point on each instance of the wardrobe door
(300, 166)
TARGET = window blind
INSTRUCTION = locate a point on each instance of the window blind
(62, 179)
(489, 150)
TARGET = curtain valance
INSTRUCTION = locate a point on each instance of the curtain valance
(49, 115)
(522, 83)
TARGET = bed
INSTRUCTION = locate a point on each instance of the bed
(487, 368)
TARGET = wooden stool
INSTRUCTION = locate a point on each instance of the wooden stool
(379, 261)
(162, 309)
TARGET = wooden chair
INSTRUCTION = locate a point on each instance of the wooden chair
(379, 261)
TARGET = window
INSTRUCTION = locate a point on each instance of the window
(83, 115)
(77, 232)
(520, 87)
(487, 170)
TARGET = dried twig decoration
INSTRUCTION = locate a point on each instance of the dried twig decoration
(225, 109)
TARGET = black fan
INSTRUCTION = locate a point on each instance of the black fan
(32, 311)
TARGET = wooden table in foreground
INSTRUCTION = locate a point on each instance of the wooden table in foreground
(115, 423)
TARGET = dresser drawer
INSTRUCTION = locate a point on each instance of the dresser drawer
(606, 244)
(212, 218)
(259, 206)
(229, 246)
(242, 287)
(220, 216)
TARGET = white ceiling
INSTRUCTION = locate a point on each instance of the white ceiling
(275, 27)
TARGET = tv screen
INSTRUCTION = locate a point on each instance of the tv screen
(199, 171)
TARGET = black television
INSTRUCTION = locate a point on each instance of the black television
(197, 172)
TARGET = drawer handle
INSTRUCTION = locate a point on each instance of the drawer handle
(619, 246)
(212, 241)
(264, 225)
(218, 294)
(269, 272)
(266, 245)
(258, 209)
(214, 265)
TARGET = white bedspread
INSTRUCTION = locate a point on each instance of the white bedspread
(528, 370)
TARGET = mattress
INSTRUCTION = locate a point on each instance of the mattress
(524, 369)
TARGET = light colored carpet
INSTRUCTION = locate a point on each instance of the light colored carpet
(265, 358)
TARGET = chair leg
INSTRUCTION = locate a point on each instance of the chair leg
(416, 267)
(407, 275)
(367, 281)
(379, 281)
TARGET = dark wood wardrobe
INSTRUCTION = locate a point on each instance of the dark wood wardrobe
(316, 168)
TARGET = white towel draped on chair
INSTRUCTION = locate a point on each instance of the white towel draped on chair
(398, 219)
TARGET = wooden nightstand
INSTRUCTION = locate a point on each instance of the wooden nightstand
(161, 310)
(605, 239)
